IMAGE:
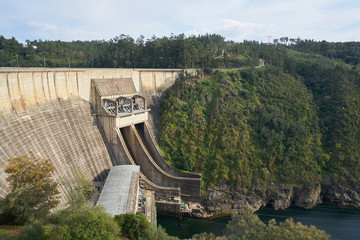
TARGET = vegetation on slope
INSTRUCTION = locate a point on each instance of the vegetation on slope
(240, 126)
(292, 121)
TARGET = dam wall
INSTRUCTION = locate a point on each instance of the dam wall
(23, 87)
(64, 132)
(32, 86)
(49, 112)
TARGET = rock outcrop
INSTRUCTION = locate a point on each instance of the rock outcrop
(223, 199)
(307, 196)
(341, 191)
(280, 196)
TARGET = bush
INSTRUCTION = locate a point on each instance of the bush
(4, 232)
(248, 226)
(161, 234)
(33, 231)
(85, 223)
(135, 226)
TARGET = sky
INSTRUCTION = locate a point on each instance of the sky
(237, 20)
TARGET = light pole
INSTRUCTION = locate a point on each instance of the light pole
(69, 61)
(115, 63)
(92, 62)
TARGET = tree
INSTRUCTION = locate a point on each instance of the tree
(80, 194)
(86, 222)
(34, 231)
(32, 190)
(248, 226)
(207, 236)
(135, 226)
(245, 226)
(295, 231)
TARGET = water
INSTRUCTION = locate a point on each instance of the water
(340, 223)
(186, 227)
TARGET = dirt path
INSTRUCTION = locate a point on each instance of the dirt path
(14, 229)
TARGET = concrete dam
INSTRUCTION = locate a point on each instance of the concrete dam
(86, 121)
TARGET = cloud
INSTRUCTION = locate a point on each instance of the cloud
(42, 26)
(335, 20)
(234, 30)
(240, 30)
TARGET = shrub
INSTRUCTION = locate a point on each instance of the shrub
(33, 231)
(85, 223)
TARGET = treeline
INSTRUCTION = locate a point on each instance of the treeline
(349, 52)
(295, 121)
(176, 51)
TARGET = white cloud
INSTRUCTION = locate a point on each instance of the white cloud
(334, 20)
(42, 26)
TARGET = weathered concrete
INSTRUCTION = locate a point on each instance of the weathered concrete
(190, 187)
(121, 190)
(150, 208)
(168, 208)
(64, 132)
(33, 86)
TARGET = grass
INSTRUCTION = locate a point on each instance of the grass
(4, 232)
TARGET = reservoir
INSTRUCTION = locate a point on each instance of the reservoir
(340, 223)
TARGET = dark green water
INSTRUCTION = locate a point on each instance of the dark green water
(340, 223)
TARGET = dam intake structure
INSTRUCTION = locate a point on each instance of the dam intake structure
(86, 121)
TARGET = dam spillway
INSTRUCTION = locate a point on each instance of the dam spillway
(51, 113)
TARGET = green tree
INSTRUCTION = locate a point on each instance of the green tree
(293, 231)
(33, 192)
(248, 226)
(86, 222)
(34, 231)
(135, 226)
(80, 195)
(207, 236)
(245, 226)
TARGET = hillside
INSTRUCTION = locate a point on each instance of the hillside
(276, 135)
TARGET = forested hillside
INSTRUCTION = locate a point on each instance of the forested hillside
(294, 121)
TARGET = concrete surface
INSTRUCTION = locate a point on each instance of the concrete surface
(120, 192)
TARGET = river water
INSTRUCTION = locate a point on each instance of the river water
(340, 223)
